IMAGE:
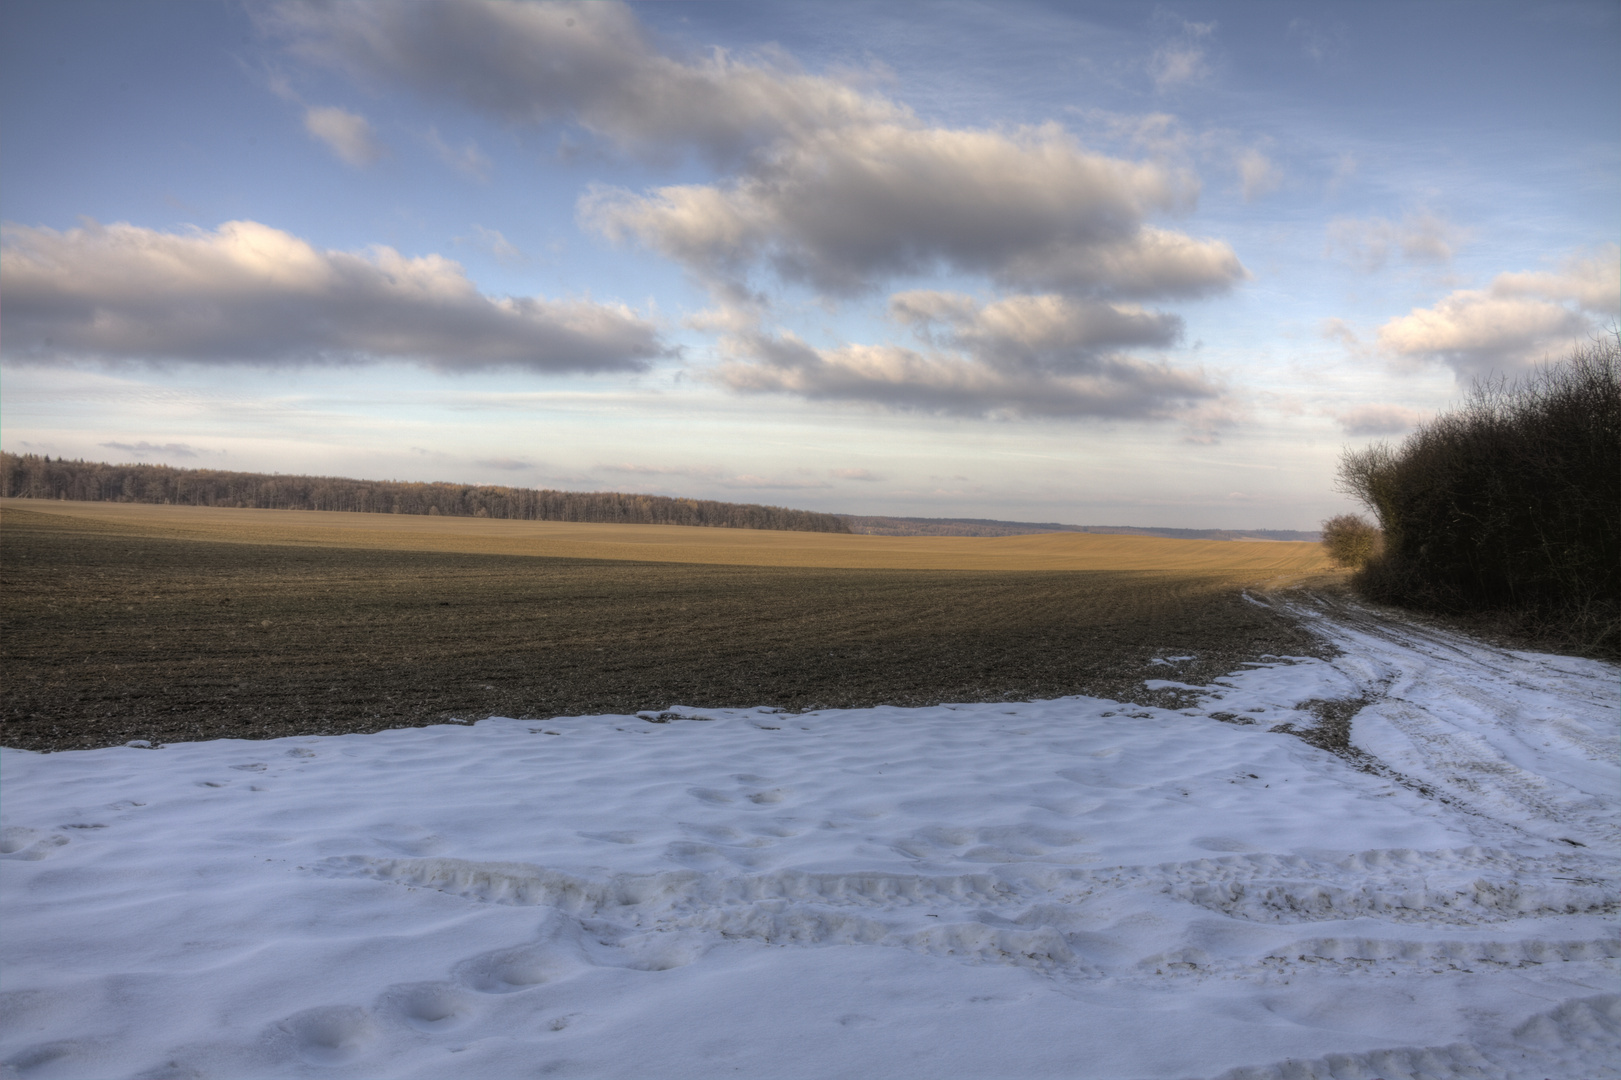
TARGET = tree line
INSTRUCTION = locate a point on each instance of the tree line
(34, 476)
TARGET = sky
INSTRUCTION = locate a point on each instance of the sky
(1093, 263)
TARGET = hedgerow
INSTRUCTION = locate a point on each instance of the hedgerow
(1510, 505)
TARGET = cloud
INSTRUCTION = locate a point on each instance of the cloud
(589, 64)
(833, 187)
(1518, 319)
(470, 161)
(1257, 175)
(865, 475)
(1379, 419)
(493, 241)
(506, 463)
(1317, 40)
(145, 449)
(999, 373)
(1335, 329)
(750, 482)
(718, 477)
(1032, 333)
(248, 293)
(845, 209)
(1182, 60)
(1420, 238)
(346, 134)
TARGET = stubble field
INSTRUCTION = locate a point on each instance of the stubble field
(178, 624)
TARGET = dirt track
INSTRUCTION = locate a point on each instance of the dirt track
(119, 626)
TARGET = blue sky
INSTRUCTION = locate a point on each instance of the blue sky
(1094, 263)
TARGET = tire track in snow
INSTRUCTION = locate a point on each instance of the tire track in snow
(1472, 721)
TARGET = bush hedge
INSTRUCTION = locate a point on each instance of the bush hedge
(1510, 504)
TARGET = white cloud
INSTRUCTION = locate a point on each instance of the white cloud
(1519, 318)
(863, 475)
(346, 134)
(1419, 238)
(248, 293)
(1592, 282)
(1379, 419)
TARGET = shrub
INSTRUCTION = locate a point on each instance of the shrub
(1351, 541)
(1512, 503)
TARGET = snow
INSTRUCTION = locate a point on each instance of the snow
(1070, 888)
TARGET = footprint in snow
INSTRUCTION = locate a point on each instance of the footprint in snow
(325, 1035)
(427, 1006)
(25, 844)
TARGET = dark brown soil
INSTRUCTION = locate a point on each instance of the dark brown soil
(109, 637)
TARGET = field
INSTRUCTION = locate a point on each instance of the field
(126, 621)
(1384, 850)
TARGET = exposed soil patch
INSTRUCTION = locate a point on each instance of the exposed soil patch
(109, 637)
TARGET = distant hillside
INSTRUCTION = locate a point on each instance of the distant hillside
(31, 476)
(910, 526)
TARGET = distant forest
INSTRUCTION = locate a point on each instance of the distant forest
(913, 526)
(31, 476)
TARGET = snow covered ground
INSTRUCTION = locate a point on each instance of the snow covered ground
(1071, 888)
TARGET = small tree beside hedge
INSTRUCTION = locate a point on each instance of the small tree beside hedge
(1351, 541)
(1510, 504)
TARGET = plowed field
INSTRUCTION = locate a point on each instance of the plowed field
(175, 623)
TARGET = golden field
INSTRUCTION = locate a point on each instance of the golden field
(690, 544)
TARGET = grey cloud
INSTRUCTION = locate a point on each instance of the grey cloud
(146, 449)
(847, 209)
(505, 463)
(900, 378)
(248, 293)
(837, 188)
(1032, 333)
(591, 64)
(1379, 420)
